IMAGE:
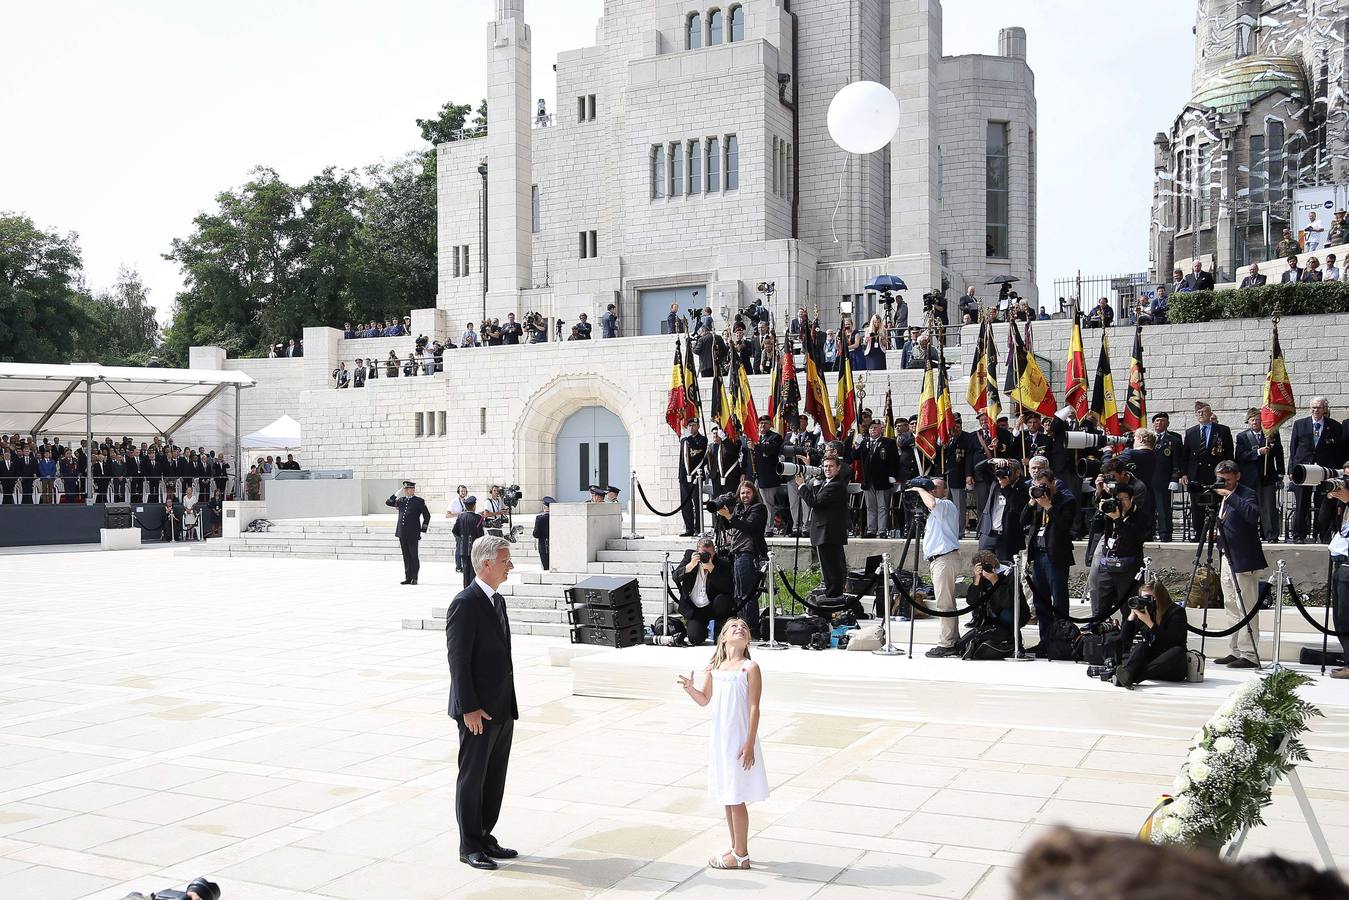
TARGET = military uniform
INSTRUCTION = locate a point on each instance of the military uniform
(542, 531)
(409, 530)
(692, 454)
(468, 527)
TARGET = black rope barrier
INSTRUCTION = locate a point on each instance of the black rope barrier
(1092, 620)
(1329, 632)
(673, 512)
(1228, 632)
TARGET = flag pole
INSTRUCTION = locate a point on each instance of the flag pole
(1275, 323)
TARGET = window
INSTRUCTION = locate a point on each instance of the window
(787, 188)
(694, 31)
(464, 251)
(737, 23)
(781, 163)
(1244, 46)
(580, 109)
(677, 169)
(585, 108)
(1255, 167)
(534, 211)
(995, 190)
(590, 107)
(1201, 188)
(419, 420)
(588, 244)
(714, 27)
(440, 423)
(1274, 157)
(774, 165)
(657, 172)
(695, 168)
(455, 267)
(732, 162)
(713, 165)
(594, 244)
(460, 267)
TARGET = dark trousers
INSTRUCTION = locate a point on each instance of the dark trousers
(1114, 589)
(745, 570)
(1308, 500)
(7, 490)
(481, 782)
(1199, 512)
(463, 558)
(543, 554)
(1269, 512)
(697, 619)
(833, 568)
(688, 496)
(1341, 586)
(1050, 592)
(411, 564)
(1163, 498)
(1145, 665)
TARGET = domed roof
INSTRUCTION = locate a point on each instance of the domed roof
(1237, 84)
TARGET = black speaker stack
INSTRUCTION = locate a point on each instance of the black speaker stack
(606, 610)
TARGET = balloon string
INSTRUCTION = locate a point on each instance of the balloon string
(842, 173)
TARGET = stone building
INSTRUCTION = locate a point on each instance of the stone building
(687, 151)
(1267, 114)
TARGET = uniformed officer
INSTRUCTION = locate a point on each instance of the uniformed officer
(692, 461)
(880, 471)
(959, 454)
(1171, 464)
(409, 531)
(468, 527)
(724, 463)
(541, 532)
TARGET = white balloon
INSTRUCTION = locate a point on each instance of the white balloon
(863, 117)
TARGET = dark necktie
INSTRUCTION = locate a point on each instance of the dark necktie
(499, 606)
(1316, 434)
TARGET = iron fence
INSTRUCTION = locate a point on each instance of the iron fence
(1122, 290)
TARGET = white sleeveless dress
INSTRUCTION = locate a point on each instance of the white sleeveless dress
(728, 782)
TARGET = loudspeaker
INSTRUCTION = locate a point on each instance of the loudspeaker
(619, 617)
(608, 591)
(117, 517)
(607, 637)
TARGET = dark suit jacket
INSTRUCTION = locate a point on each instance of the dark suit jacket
(1059, 537)
(1330, 450)
(1254, 281)
(721, 580)
(766, 455)
(1239, 531)
(542, 524)
(829, 501)
(880, 463)
(1013, 538)
(482, 675)
(1255, 471)
(1171, 462)
(1145, 465)
(410, 509)
(1201, 282)
(1200, 458)
(959, 456)
(1290, 276)
(753, 521)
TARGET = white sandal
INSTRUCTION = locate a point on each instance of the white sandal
(719, 862)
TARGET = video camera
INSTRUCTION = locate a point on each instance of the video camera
(206, 890)
(922, 481)
(791, 470)
(1086, 440)
(510, 496)
(1108, 505)
(1307, 476)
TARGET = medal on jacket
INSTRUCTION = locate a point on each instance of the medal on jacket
(1216, 446)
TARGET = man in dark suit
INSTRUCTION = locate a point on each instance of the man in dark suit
(765, 456)
(828, 501)
(1254, 279)
(9, 476)
(1261, 461)
(1197, 280)
(1000, 517)
(706, 583)
(1206, 445)
(1171, 465)
(541, 532)
(102, 478)
(880, 470)
(27, 475)
(482, 699)
(959, 453)
(118, 483)
(408, 530)
(1291, 275)
(692, 463)
(1242, 563)
(1317, 440)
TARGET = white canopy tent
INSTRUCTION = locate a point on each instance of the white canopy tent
(283, 434)
(109, 400)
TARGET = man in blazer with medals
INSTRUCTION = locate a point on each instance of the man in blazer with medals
(1206, 444)
(1317, 441)
(482, 700)
(1261, 461)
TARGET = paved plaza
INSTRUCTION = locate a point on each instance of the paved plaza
(266, 722)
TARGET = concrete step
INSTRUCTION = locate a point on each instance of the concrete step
(541, 629)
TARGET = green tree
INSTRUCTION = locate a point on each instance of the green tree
(398, 235)
(41, 305)
(451, 119)
(123, 330)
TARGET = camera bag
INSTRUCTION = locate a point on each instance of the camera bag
(992, 642)
(1063, 642)
(867, 637)
(1206, 591)
(1194, 666)
(1312, 656)
(798, 630)
(1099, 646)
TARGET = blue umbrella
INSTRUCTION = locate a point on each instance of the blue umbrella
(887, 283)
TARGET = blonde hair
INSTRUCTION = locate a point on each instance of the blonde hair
(719, 654)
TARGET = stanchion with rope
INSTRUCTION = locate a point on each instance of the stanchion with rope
(1018, 572)
(665, 601)
(772, 643)
(889, 649)
(632, 534)
(1280, 581)
(664, 515)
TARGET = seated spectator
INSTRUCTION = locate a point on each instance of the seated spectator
(1291, 275)
(1253, 278)
(1312, 272)
(1197, 280)
(1101, 314)
(1331, 271)
(917, 353)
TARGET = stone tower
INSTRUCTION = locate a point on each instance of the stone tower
(915, 57)
(509, 171)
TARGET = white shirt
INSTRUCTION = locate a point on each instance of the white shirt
(699, 593)
(493, 505)
(1331, 273)
(1314, 230)
(456, 505)
(999, 511)
(1339, 543)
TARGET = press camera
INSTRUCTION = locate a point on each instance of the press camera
(1038, 490)
(1147, 604)
(1086, 440)
(717, 504)
(791, 470)
(1108, 505)
(510, 496)
(1307, 476)
(922, 481)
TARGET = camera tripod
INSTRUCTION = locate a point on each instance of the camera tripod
(1207, 540)
(911, 530)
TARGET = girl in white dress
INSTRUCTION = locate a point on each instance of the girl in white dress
(733, 684)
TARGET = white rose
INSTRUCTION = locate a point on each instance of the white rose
(1227, 708)
(1171, 827)
(1182, 807)
(1198, 755)
(1220, 724)
(1181, 784)
(1199, 773)
(1224, 744)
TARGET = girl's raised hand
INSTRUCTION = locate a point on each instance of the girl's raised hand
(686, 682)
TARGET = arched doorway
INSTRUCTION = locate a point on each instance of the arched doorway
(592, 448)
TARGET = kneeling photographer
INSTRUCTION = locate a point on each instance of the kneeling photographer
(706, 588)
(742, 528)
(993, 619)
(1123, 528)
(1153, 639)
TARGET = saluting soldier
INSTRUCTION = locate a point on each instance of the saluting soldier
(409, 531)
(692, 460)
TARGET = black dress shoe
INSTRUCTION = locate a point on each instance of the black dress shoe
(1240, 663)
(413, 581)
(1223, 660)
(406, 581)
(496, 851)
(478, 860)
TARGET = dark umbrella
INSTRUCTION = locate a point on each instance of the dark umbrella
(1002, 279)
(887, 283)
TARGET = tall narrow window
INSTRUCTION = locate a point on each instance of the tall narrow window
(590, 107)
(1274, 154)
(1255, 167)
(1201, 187)
(995, 190)
(455, 267)
(1244, 47)
(737, 23)
(580, 109)
(583, 246)
(715, 22)
(694, 30)
(594, 244)
(782, 168)
(713, 165)
(657, 172)
(774, 165)
(534, 210)
(787, 188)
(677, 169)
(695, 168)
(732, 162)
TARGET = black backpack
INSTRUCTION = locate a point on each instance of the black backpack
(1063, 642)
(798, 630)
(992, 642)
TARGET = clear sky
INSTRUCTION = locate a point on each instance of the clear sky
(122, 120)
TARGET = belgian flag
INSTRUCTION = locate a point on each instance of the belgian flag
(889, 416)
(1031, 389)
(677, 406)
(722, 411)
(1136, 403)
(946, 416)
(817, 396)
(742, 402)
(845, 409)
(1075, 378)
(925, 432)
(691, 389)
(1279, 405)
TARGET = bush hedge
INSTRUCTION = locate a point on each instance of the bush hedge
(1307, 299)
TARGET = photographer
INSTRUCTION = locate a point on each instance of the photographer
(992, 595)
(828, 501)
(706, 589)
(1158, 626)
(536, 328)
(941, 540)
(1242, 562)
(1124, 527)
(1048, 520)
(743, 531)
(1335, 518)
(1000, 517)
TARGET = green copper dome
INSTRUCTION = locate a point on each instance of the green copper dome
(1236, 85)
